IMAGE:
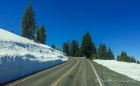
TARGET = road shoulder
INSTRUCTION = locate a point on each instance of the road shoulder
(112, 78)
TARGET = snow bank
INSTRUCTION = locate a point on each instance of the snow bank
(20, 56)
(131, 70)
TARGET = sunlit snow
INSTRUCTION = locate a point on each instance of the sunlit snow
(20, 56)
(131, 70)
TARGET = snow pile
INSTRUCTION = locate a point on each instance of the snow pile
(20, 56)
(131, 70)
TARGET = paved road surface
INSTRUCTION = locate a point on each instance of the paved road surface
(76, 72)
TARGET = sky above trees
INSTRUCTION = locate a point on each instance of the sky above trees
(115, 23)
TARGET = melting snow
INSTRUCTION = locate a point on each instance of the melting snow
(131, 70)
(20, 56)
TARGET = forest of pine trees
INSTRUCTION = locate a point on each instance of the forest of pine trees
(125, 58)
(29, 27)
(104, 53)
(87, 49)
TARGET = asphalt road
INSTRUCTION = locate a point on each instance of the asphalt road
(76, 72)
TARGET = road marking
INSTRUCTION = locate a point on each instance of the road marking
(96, 74)
(58, 80)
(35, 75)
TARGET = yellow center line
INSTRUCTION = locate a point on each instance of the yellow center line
(58, 80)
(36, 74)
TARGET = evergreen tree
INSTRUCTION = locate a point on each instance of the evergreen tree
(102, 51)
(68, 47)
(94, 52)
(77, 53)
(80, 52)
(118, 58)
(99, 51)
(128, 59)
(77, 49)
(28, 24)
(53, 46)
(110, 54)
(87, 47)
(138, 62)
(133, 59)
(74, 48)
(38, 36)
(65, 48)
(42, 35)
(12, 31)
(124, 56)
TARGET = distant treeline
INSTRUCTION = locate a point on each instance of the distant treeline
(87, 49)
(125, 58)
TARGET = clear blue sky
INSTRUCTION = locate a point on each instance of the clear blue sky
(113, 22)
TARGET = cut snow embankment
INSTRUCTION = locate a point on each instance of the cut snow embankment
(131, 70)
(20, 56)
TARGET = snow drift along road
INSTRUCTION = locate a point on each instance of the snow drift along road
(20, 56)
(131, 70)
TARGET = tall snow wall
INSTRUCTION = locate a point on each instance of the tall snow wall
(20, 57)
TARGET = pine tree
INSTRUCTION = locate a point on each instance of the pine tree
(38, 36)
(53, 46)
(68, 47)
(99, 51)
(87, 47)
(102, 51)
(134, 60)
(74, 47)
(138, 62)
(80, 52)
(124, 56)
(42, 35)
(77, 53)
(77, 49)
(118, 58)
(28, 24)
(12, 31)
(94, 52)
(110, 55)
(128, 59)
(65, 48)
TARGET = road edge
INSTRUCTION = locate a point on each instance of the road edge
(96, 73)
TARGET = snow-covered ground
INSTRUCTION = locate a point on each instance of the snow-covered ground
(20, 56)
(131, 70)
